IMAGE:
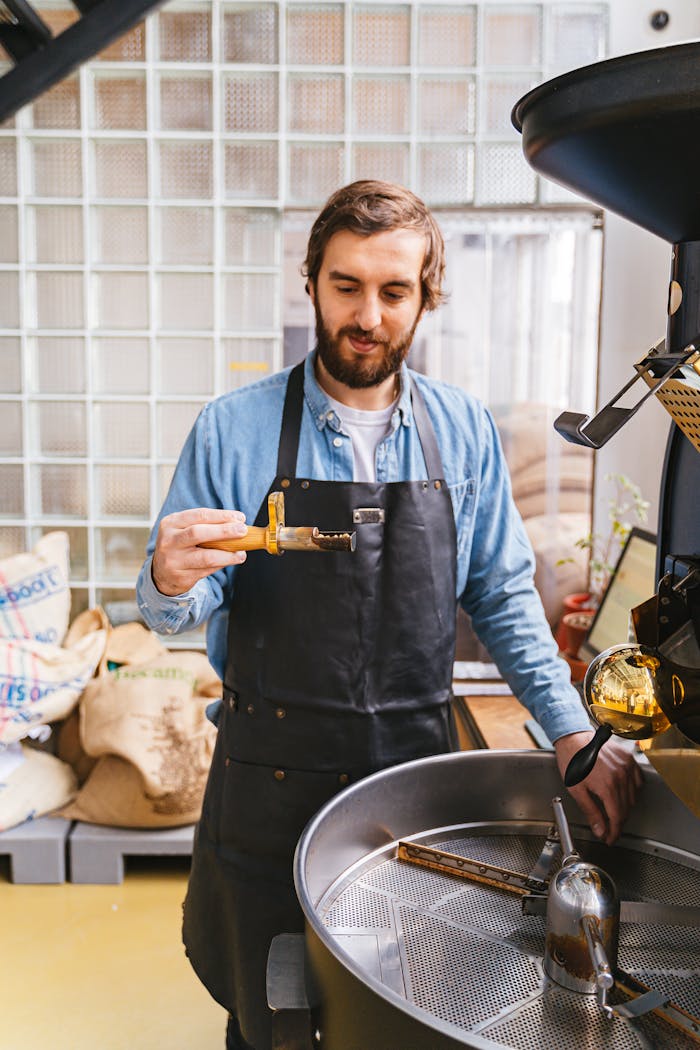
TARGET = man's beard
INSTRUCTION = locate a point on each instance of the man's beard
(358, 371)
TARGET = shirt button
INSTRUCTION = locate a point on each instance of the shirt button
(280, 712)
(337, 442)
(250, 709)
(280, 774)
(343, 778)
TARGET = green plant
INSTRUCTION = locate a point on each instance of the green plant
(626, 507)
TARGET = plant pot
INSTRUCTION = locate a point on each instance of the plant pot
(580, 602)
(576, 626)
(573, 603)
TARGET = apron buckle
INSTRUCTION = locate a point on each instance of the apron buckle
(368, 516)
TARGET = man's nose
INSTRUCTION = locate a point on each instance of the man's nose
(369, 314)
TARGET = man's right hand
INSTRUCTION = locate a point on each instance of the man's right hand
(178, 560)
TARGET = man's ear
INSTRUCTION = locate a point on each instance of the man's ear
(311, 290)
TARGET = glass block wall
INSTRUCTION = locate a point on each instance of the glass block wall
(150, 205)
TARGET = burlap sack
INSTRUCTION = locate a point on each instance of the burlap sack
(146, 725)
(128, 643)
(69, 747)
(40, 682)
(114, 795)
(132, 643)
(40, 784)
(34, 592)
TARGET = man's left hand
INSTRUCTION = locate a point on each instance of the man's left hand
(609, 791)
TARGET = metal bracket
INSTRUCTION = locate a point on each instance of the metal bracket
(538, 879)
(595, 431)
(368, 516)
(286, 993)
(643, 1004)
(645, 1000)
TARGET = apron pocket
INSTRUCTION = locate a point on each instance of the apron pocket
(265, 808)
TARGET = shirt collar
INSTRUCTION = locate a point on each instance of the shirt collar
(320, 407)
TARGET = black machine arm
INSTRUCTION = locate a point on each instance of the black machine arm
(22, 30)
(595, 431)
(41, 60)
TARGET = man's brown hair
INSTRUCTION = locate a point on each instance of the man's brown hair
(368, 207)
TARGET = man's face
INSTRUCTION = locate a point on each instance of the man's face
(367, 300)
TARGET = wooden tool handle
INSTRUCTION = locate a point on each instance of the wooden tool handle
(256, 539)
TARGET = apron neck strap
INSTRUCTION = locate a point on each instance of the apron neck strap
(291, 427)
(426, 434)
(291, 423)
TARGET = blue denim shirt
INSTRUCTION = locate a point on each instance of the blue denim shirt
(230, 459)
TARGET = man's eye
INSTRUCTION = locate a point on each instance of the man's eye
(345, 289)
(394, 297)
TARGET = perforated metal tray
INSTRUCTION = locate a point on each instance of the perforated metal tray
(467, 955)
(402, 957)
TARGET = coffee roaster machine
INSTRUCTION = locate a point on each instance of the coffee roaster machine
(460, 900)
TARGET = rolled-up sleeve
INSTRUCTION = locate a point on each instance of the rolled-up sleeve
(505, 608)
(191, 486)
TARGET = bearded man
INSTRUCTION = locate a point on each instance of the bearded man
(337, 665)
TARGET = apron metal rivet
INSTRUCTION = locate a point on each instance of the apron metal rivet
(343, 778)
(438, 484)
(250, 709)
(425, 485)
(227, 761)
(233, 703)
(305, 484)
(280, 712)
(280, 774)
(285, 483)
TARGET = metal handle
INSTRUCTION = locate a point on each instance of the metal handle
(604, 979)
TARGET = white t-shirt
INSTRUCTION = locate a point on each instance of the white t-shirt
(366, 430)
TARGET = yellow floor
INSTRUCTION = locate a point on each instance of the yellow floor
(102, 967)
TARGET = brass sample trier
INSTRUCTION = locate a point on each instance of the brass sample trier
(276, 537)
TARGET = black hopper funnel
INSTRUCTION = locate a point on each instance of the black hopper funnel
(626, 134)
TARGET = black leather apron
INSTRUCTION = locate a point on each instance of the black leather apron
(338, 665)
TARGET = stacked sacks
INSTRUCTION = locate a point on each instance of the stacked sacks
(43, 670)
(141, 742)
(134, 743)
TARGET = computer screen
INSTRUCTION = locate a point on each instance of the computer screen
(633, 581)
